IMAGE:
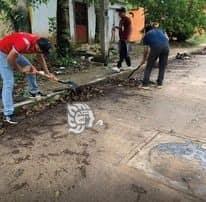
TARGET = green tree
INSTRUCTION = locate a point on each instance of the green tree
(181, 18)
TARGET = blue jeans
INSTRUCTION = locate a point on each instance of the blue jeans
(7, 75)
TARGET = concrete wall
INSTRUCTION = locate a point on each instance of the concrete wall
(91, 22)
(39, 17)
(113, 20)
(72, 21)
(40, 22)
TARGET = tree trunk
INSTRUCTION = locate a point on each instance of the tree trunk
(98, 17)
(63, 31)
(20, 17)
(104, 29)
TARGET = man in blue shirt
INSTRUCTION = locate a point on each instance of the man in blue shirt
(157, 46)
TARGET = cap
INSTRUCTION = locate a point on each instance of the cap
(44, 45)
(121, 10)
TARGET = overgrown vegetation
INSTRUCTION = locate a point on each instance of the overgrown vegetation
(198, 39)
(58, 60)
(52, 25)
(16, 13)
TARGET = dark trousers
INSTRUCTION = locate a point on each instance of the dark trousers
(123, 54)
(161, 53)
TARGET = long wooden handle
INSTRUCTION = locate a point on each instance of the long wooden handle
(42, 73)
(134, 71)
(70, 83)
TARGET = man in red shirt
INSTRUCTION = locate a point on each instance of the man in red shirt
(124, 34)
(11, 59)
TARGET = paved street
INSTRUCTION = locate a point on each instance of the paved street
(150, 146)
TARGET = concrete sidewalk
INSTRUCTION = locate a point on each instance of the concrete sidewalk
(97, 72)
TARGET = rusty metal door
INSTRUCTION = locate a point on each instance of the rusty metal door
(81, 22)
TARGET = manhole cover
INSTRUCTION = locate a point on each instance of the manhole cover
(182, 162)
(175, 161)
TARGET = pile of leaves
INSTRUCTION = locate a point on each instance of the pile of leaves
(84, 94)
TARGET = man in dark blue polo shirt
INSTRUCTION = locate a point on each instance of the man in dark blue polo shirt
(158, 43)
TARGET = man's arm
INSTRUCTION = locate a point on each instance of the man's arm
(165, 33)
(167, 36)
(11, 59)
(145, 55)
(43, 63)
(45, 67)
(116, 27)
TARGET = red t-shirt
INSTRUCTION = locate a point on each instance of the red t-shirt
(22, 42)
(125, 28)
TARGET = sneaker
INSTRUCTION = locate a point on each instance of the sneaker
(119, 65)
(10, 119)
(145, 86)
(126, 68)
(116, 70)
(159, 86)
(152, 83)
(122, 69)
(36, 95)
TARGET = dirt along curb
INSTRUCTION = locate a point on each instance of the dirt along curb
(56, 96)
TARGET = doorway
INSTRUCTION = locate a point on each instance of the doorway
(81, 22)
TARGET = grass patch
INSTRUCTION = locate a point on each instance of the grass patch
(198, 39)
(194, 41)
